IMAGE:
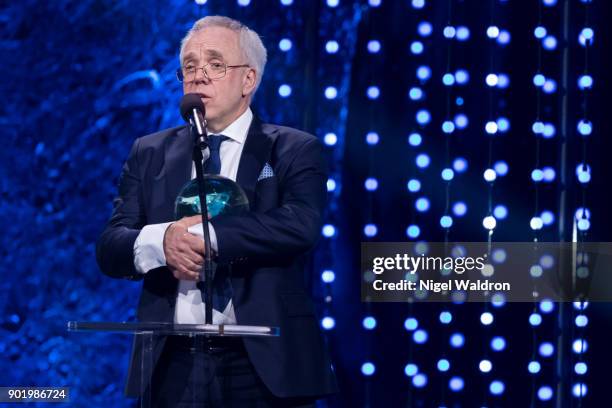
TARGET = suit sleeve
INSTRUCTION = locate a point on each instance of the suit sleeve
(284, 232)
(115, 247)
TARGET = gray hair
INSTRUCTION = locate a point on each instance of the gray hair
(251, 45)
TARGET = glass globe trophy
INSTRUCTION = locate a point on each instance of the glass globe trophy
(223, 197)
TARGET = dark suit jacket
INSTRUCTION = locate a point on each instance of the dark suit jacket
(266, 247)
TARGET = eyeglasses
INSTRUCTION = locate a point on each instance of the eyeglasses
(212, 71)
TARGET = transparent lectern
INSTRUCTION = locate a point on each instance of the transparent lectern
(145, 333)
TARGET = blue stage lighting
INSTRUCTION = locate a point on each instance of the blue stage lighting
(492, 31)
(504, 37)
(534, 367)
(549, 3)
(448, 126)
(419, 380)
(332, 47)
(413, 185)
(331, 92)
(331, 184)
(411, 370)
(486, 318)
(535, 319)
(371, 184)
(370, 230)
(443, 365)
(583, 173)
(547, 306)
(546, 349)
(489, 175)
(550, 42)
(549, 174)
(244, 3)
(374, 3)
(586, 36)
(460, 164)
(489, 222)
(423, 72)
(448, 79)
(447, 174)
(498, 343)
(581, 320)
(372, 138)
(459, 209)
(580, 368)
(540, 32)
(547, 217)
(330, 139)
(537, 127)
(446, 317)
(411, 324)
(581, 305)
(328, 323)
(286, 2)
(415, 93)
(585, 82)
(285, 44)
(456, 384)
(501, 168)
(368, 369)
(422, 204)
(328, 276)
(537, 175)
(420, 336)
(369, 323)
(492, 79)
(284, 90)
(579, 346)
(418, 4)
(550, 86)
(413, 231)
(329, 230)
(583, 224)
(503, 124)
(449, 32)
(463, 33)
(415, 139)
(545, 393)
(457, 340)
(579, 390)
(539, 80)
(485, 366)
(461, 121)
(548, 131)
(425, 29)
(423, 160)
(497, 387)
(333, 3)
(503, 81)
(416, 47)
(446, 221)
(373, 46)
(536, 271)
(423, 117)
(491, 127)
(585, 128)
(373, 92)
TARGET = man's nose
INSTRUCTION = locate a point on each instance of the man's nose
(200, 76)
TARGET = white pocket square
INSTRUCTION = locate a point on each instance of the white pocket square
(266, 172)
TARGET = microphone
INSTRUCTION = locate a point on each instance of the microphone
(194, 111)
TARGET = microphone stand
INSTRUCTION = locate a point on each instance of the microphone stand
(200, 139)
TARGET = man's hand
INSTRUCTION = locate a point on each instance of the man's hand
(184, 251)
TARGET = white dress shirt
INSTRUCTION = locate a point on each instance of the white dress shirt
(149, 249)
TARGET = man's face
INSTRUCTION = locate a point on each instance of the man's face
(225, 98)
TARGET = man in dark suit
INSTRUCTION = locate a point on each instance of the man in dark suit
(283, 174)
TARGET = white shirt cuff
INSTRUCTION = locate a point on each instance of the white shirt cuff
(199, 231)
(149, 247)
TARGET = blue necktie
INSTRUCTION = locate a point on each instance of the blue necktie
(213, 164)
(222, 285)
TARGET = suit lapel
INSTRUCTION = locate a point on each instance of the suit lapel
(256, 152)
(178, 159)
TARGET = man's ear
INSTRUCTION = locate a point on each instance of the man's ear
(248, 83)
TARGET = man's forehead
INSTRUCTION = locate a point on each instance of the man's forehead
(212, 42)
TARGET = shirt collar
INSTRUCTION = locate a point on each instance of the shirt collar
(238, 129)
